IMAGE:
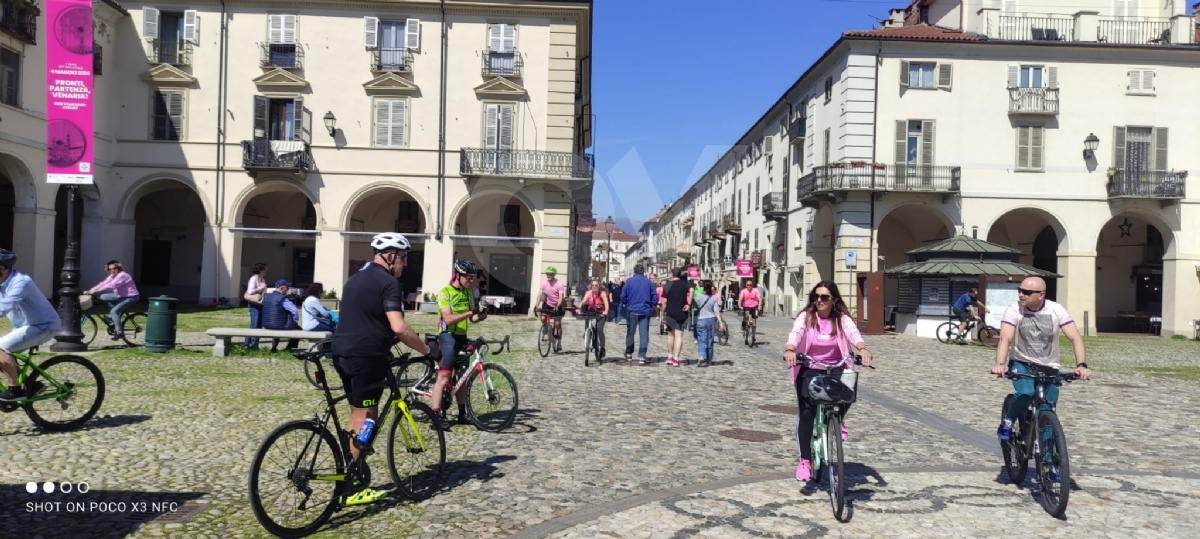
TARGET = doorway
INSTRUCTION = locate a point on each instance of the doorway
(156, 263)
(303, 266)
(508, 274)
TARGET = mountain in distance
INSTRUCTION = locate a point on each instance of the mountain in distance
(628, 225)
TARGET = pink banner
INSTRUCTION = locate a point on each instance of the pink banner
(744, 268)
(693, 272)
(69, 62)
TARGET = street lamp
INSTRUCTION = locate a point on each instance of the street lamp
(608, 227)
(330, 123)
(1089, 146)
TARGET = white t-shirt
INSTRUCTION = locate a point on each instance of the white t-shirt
(1036, 340)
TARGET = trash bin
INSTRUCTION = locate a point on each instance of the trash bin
(160, 324)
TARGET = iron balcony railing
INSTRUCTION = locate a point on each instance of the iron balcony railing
(399, 60)
(489, 162)
(262, 154)
(683, 250)
(715, 230)
(1134, 30)
(774, 204)
(502, 64)
(732, 224)
(1033, 101)
(1147, 184)
(700, 237)
(1037, 28)
(285, 55)
(176, 53)
(878, 177)
(19, 19)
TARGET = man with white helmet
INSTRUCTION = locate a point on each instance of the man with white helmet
(371, 319)
(34, 321)
(456, 306)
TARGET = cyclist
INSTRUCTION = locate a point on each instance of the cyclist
(824, 332)
(966, 308)
(456, 306)
(118, 291)
(550, 296)
(371, 319)
(596, 301)
(34, 322)
(748, 301)
(1032, 326)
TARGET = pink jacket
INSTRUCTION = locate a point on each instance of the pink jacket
(121, 284)
(801, 338)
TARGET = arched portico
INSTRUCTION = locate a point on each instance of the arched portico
(1130, 285)
(277, 223)
(1038, 234)
(385, 207)
(497, 230)
(902, 229)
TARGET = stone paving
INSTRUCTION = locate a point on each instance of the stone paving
(629, 451)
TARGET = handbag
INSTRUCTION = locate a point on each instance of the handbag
(255, 299)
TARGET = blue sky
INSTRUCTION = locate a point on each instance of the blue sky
(675, 83)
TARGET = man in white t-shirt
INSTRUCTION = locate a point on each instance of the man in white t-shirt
(1032, 326)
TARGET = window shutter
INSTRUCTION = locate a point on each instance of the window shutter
(1052, 77)
(945, 75)
(492, 129)
(901, 142)
(260, 117)
(412, 34)
(1148, 80)
(494, 40)
(1022, 147)
(275, 28)
(927, 143)
(288, 29)
(297, 118)
(1014, 76)
(157, 118)
(1134, 83)
(149, 23)
(904, 67)
(505, 141)
(191, 25)
(1119, 147)
(383, 119)
(371, 34)
(508, 37)
(1036, 140)
(398, 113)
(175, 111)
(1160, 149)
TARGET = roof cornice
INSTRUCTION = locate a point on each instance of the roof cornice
(577, 9)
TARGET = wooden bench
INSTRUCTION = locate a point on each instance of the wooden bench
(225, 335)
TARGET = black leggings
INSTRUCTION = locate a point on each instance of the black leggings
(808, 409)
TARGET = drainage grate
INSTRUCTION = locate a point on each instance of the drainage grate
(750, 435)
(779, 409)
(182, 514)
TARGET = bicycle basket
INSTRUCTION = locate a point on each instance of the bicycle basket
(826, 388)
(85, 302)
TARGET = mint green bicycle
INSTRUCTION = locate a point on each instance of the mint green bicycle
(60, 394)
(827, 434)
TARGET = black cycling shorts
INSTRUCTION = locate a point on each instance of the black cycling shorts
(753, 312)
(362, 372)
(450, 345)
(675, 324)
(555, 312)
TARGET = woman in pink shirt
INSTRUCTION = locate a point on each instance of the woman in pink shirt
(824, 332)
(118, 291)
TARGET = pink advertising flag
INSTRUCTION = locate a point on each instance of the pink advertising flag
(744, 268)
(69, 60)
(693, 272)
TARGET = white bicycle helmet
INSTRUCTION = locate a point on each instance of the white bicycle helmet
(390, 240)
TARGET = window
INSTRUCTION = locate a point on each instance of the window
(828, 89)
(756, 239)
(1031, 77)
(1030, 148)
(393, 40)
(928, 75)
(390, 115)
(757, 192)
(1140, 150)
(498, 135)
(10, 77)
(502, 49)
(799, 238)
(920, 75)
(1140, 82)
(914, 142)
(169, 33)
(825, 149)
(281, 37)
(282, 119)
(167, 118)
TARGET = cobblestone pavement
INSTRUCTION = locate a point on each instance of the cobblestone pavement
(631, 451)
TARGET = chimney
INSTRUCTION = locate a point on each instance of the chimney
(975, 232)
(895, 18)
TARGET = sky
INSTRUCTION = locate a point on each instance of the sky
(676, 83)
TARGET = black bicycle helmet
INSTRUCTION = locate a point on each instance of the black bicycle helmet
(827, 388)
(465, 267)
(7, 258)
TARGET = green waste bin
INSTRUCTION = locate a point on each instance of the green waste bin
(160, 324)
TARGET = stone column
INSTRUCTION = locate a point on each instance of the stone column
(439, 259)
(1181, 287)
(33, 242)
(1077, 287)
(231, 258)
(852, 223)
(332, 264)
(215, 276)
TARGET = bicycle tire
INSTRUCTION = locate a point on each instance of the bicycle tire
(498, 420)
(298, 481)
(753, 335)
(133, 327)
(587, 345)
(1016, 462)
(310, 369)
(63, 403)
(988, 335)
(835, 466)
(544, 340)
(947, 332)
(89, 328)
(723, 336)
(1054, 502)
(410, 373)
(425, 478)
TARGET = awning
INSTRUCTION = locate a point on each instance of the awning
(967, 267)
(494, 241)
(365, 237)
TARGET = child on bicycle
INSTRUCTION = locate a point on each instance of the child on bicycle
(456, 307)
(118, 291)
(34, 322)
(825, 333)
(596, 301)
(966, 308)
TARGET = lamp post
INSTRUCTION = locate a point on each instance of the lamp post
(608, 227)
(70, 338)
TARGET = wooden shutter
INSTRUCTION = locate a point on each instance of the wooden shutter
(494, 39)
(1134, 80)
(158, 118)
(412, 34)
(149, 23)
(492, 127)
(1160, 149)
(1014, 76)
(191, 25)
(282, 29)
(927, 140)
(508, 37)
(1037, 138)
(505, 140)
(371, 33)
(901, 142)
(275, 28)
(397, 122)
(945, 76)
(175, 111)
(261, 108)
(383, 118)
(1119, 147)
(303, 119)
(1052, 77)
(1148, 80)
(904, 67)
(1022, 147)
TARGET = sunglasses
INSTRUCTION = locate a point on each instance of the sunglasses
(823, 297)
(1025, 292)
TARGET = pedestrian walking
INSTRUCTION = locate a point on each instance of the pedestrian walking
(639, 298)
(676, 302)
(256, 290)
(708, 320)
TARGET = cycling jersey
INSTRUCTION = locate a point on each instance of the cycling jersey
(364, 329)
(459, 301)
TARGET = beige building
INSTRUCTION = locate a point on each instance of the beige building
(290, 132)
(608, 257)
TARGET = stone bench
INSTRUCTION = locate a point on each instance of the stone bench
(225, 335)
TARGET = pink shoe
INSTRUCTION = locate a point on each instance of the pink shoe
(845, 433)
(803, 471)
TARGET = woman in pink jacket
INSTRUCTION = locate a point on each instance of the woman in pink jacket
(118, 291)
(824, 332)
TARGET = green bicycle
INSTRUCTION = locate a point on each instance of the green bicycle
(827, 440)
(57, 391)
(302, 473)
(133, 325)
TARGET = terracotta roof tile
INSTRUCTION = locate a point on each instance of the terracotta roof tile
(921, 32)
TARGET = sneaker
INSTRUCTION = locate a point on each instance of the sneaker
(118, 336)
(35, 388)
(672, 362)
(845, 432)
(803, 471)
(1050, 472)
(628, 357)
(463, 420)
(12, 394)
(440, 420)
(364, 496)
(603, 353)
(643, 360)
(1005, 430)
(704, 363)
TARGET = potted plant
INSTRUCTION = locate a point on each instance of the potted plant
(1112, 171)
(329, 299)
(858, 164)
(428, 303)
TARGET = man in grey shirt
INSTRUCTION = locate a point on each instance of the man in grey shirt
(708, 320)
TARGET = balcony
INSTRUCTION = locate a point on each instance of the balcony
(394, 60)
(732, 225)
(845, 177)
(1134, 30)
(774, 205)
(715, 230)
(1034, 101)
(282, 55)
(525, 164)
(260, 155)
(700, 237)
(683, 250)
(502, 64)
(176, 53)
(1037, 27)
(1153, 185)
(18, 18)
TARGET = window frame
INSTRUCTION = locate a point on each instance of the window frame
(16, 78)
(405, 142)
(1030, 148)
(828, 89)
(182, 93)
(484, 121)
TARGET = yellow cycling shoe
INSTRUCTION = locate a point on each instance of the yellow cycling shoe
(364, 496)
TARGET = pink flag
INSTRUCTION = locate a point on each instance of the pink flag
(69, 62)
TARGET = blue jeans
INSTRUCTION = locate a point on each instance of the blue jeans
(322, 326)
(117, 306)
(637, 321)
(255, 323)
(1022, 394)
(706, 328)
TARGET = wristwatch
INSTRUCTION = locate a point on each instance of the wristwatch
(1083, 365)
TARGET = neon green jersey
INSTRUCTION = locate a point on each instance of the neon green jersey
(459, 301)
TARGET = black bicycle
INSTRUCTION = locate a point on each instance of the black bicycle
(1049, 450)
(591, 343)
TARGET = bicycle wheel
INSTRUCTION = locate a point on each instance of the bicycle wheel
(89, 328)
(723, 336)
(835, 470)
(988, 335)
(408, 374)
(544, 340)
(947, 332)
(134, 328)
(310, 369)
(286, 482)
(753, 335)
(492, 399)
(417, 458)
(587, 345)
(1053, 452)
(77, 388)
(1016, 463)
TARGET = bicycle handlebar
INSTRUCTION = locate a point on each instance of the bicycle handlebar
(805, 358)
(1065, 376)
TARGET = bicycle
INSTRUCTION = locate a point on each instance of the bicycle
(1050, 449)
(749, 329)
(412, 434)
(948, 332)
(325, 346)
(546, 337)
(54, 385)
(591, 344)
(469, 368)
(827, 441)
(133, 325)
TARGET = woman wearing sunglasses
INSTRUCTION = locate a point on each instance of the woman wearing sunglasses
(824, 332)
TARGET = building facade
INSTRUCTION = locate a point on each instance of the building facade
(289, 133)
(608, 255)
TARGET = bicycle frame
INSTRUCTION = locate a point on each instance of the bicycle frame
(473, 368)
(27, 365)
(820, 431)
